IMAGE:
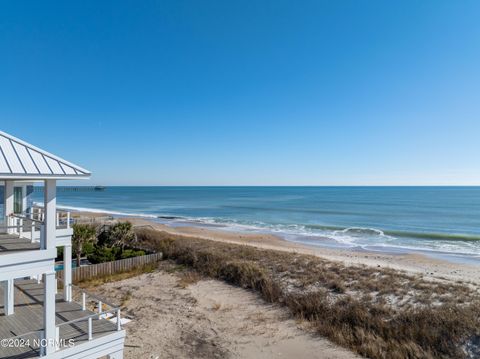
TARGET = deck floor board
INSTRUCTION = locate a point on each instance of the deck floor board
(10, 243)
(28, 317)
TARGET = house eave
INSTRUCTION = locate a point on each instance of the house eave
(23, 143)
(23, 176)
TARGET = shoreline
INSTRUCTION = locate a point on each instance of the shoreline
(416, 263)
(452, 247)
(310, 239)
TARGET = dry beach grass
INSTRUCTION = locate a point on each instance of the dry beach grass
(376, 312)
(178, 313)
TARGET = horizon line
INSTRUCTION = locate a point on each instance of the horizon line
(266, 185)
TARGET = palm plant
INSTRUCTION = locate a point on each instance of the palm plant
(121, 235)
(82, 234)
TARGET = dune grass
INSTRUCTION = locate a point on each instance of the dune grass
(375, 312)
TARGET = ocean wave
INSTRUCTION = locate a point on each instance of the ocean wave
(365, 237)
(335, 232)
(361, 231)
(362, 237)
(399, 233)
(437, 236)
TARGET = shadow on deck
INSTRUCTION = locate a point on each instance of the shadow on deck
(13, 243)
(28, 317)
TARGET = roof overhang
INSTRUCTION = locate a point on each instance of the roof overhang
(23, 177)
(20, 160)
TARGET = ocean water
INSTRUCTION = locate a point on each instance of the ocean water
(437, 220)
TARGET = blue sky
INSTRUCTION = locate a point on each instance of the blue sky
(247, 92)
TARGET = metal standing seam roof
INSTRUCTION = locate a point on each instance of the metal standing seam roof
(19, 159)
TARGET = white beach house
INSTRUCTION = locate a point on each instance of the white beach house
(36, 319)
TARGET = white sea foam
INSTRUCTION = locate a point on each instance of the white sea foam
(363, 237)
(362, 231)
(367, 238)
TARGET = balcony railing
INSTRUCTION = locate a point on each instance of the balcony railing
(30, 225)
(24, 227)
(63, 218)
(96, 318)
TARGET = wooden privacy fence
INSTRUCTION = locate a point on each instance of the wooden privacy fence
(109, 268)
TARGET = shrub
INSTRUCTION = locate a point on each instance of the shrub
(102, 255)
(88, 248)
(120, 235)
(129, 253)
(109, 254)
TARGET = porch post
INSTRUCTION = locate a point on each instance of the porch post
(9, 204)
(50, 206)
(49, 283)
(67, 272)
(49, 312)
(9, 298)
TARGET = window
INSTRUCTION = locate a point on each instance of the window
(2, 203)
(18, 200)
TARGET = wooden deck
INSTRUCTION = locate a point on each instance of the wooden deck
(12, 242)
(28, 317)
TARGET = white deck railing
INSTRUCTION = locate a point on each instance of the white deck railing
(97, 305)
(63, 218)
(31, 225)
(16, 341)
(89, 300)
(25, 227)
(99, 314)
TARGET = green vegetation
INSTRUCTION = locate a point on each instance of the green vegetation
(121, 235)
(376, 312)
(83, 234)
(103, 244)
(109, 254)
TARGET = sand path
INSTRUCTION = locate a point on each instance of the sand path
(209, 319)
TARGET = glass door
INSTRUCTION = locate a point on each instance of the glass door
(18, 200)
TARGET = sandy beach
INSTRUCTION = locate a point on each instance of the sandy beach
(413, 263)
(175, 315)
(201, 317)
